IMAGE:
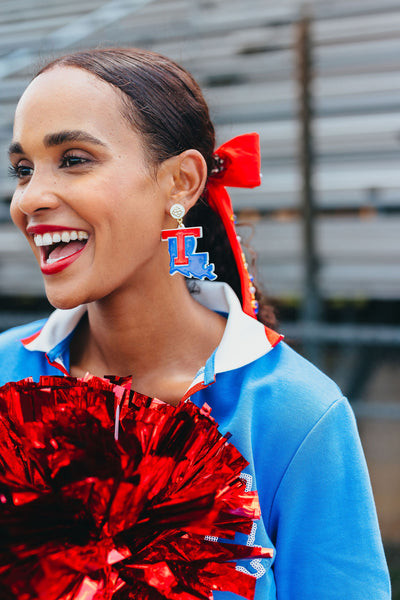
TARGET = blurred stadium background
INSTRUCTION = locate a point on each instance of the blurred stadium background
(321, 84)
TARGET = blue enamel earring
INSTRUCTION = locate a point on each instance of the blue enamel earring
(182, 243)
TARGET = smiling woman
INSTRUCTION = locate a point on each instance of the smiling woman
(121, 195)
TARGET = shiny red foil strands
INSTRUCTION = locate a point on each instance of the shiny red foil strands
(106, 493)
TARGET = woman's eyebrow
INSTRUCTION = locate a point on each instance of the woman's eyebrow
(61, 137)
(56, 139)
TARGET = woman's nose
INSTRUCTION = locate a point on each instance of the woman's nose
(40, 193)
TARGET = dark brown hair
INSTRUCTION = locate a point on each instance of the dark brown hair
(164, 103)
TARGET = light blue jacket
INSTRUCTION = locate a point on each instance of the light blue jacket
(299, 435)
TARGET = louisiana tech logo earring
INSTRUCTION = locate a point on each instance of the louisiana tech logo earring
(182, 243)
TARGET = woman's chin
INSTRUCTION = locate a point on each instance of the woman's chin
(63, 305)
(64, 301)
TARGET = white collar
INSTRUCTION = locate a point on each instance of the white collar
(245, 339)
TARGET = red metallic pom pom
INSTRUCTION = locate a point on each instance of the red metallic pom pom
(105, 493)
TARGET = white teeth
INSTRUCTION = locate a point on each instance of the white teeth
(51, 261)
(48, 239)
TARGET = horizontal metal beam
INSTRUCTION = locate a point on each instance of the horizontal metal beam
(376, 410)
(349, 334)
(72, 33)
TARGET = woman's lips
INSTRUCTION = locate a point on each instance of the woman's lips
(59, 247)
(50, 265)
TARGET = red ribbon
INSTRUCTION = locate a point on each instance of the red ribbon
(237, 165)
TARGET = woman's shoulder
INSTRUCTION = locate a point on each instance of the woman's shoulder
(297, 373)
(290, 391)
(280, 395)
(289, 376)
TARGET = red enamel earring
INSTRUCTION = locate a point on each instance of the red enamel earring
(182, 243)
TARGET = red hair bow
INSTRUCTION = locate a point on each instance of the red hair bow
(237, 165)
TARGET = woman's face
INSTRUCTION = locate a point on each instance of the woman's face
(85, 198)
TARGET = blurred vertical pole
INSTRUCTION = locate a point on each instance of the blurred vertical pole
(310, 310)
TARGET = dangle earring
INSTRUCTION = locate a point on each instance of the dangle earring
(182, 243)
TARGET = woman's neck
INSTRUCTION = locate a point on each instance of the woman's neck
(161, 339)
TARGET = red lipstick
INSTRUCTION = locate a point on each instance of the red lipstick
(54, 258)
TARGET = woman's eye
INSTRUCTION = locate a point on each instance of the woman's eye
(72, 161)
(20, 171)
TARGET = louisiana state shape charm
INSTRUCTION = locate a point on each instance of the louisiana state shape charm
(184, 259)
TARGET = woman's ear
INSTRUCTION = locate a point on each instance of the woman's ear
(187, 177)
